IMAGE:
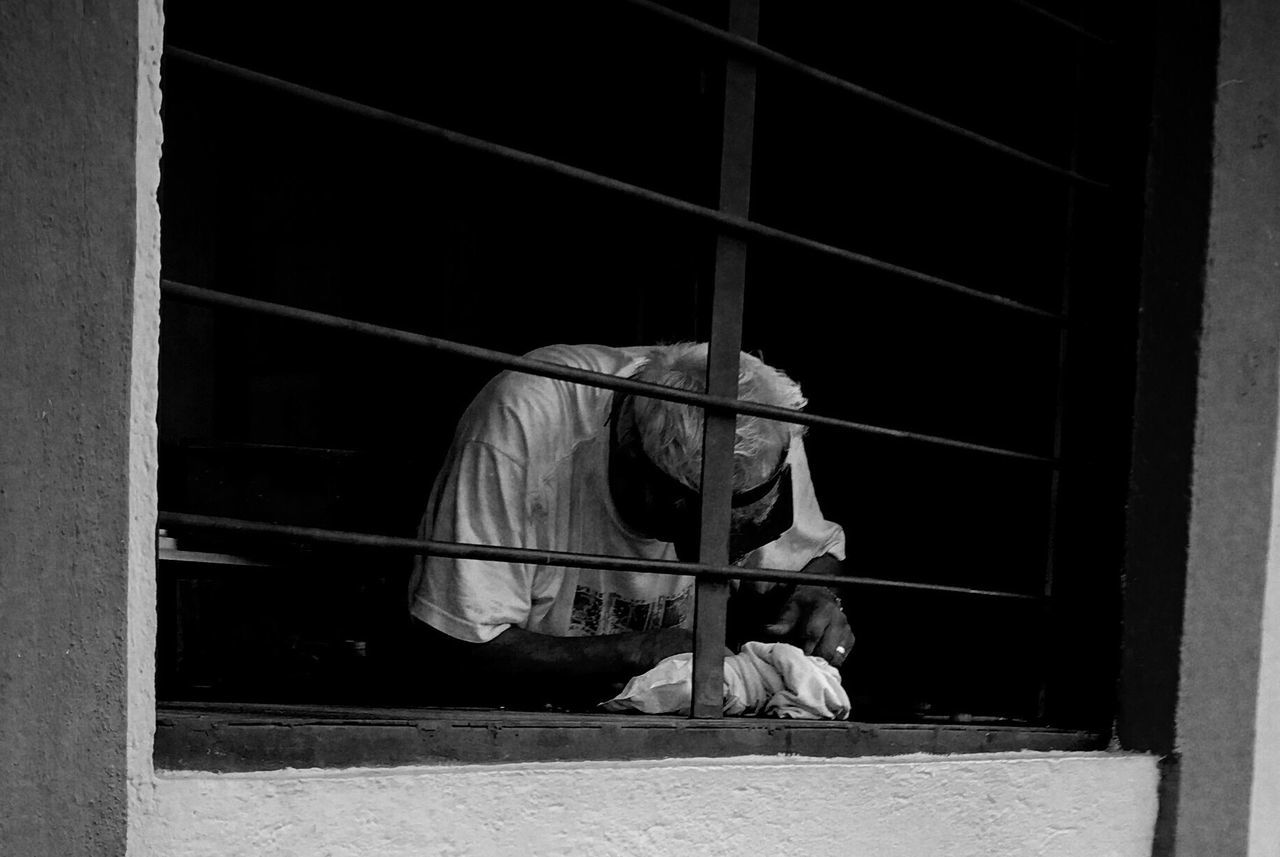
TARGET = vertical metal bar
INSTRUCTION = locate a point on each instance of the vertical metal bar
(722, 368)
(1055, 484)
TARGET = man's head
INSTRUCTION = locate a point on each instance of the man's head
(661, 448)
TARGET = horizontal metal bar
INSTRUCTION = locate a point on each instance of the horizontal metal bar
(727, 221)
(455, 550)
(782, 61)
(1059, 21)
(198, 294)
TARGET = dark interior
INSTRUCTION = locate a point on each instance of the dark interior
(268, 196)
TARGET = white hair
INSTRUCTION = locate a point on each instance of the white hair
(671, 432)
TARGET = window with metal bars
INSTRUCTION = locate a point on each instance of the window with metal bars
(926, 216)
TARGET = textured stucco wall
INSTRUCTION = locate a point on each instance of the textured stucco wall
(1030, 805)
(144, 392)
(1233, 508)
(1264, 809)
(72, 498)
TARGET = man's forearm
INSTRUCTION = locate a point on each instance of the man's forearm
(540, 656)
(520, 665)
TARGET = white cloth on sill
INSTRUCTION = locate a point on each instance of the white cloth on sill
(777, 679)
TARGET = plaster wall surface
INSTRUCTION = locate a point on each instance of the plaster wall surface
(1245, 247)
(143, 430)
(68, 192)
(1226, 731)
(1026, 804)
(1264, 810)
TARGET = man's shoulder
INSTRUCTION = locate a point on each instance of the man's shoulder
(608, 359)
(522, 389)
(530, 416)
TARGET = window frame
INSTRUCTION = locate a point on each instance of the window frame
(243, 735)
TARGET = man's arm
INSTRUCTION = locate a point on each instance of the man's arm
(810, 617)
(530, 668)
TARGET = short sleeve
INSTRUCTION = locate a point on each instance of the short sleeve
(478, 499)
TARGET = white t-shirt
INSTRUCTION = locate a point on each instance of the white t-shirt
(528, 468)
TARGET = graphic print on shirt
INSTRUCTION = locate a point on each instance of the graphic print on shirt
(596, 612)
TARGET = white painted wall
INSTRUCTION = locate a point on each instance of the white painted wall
(1027, 804)
(144, 390)
(1264, 809)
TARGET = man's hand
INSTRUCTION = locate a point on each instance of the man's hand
(813, 620)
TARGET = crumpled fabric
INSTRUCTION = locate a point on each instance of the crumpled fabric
(774, 679)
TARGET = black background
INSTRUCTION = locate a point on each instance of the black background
(269, 196)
